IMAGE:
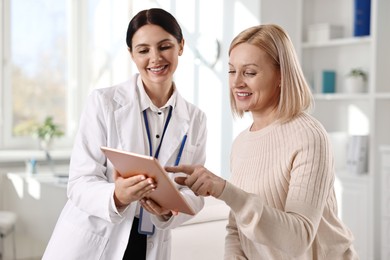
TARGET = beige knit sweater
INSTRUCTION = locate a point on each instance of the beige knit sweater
(281, 195)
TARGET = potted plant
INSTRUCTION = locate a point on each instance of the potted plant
(46, 132)
(355, 81)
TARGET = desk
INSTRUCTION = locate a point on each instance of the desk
(37, 200)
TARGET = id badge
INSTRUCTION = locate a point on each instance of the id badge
(145, 225)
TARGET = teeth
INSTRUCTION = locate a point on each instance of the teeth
(157, 69)
(240, 94)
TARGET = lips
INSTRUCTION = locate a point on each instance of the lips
(158, 69)
(243, 94)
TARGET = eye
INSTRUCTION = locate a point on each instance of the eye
(231, 71)
(249, 73)
(165, 47)
(143, 51)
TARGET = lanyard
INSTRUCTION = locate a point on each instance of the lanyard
(146, 226)
(162, 137)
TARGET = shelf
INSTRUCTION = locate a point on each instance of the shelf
(342, 96)
(382, 95)
(337, 42)
(7, 156)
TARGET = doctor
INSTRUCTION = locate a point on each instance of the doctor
(144, 115)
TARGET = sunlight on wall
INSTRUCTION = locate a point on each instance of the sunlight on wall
(338, 141)
(358, 123)
(245, 16)
(208, 83)
(251, 18)
(17, 182)
(109, 55)
(240, 124)
(34, 188)
(339, 191)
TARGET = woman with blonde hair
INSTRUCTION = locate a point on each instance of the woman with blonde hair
(281, 191)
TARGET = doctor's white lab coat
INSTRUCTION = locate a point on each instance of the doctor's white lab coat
(89, 226)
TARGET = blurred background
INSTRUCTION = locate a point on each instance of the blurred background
(54, 53)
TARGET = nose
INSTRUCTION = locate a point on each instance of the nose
(236, 80)
(155, 56)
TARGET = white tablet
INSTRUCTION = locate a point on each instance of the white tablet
(166, 194)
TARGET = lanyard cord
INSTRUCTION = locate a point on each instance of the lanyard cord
(165, 128)
(162, 136)
(142, 212)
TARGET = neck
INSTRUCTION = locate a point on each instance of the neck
(262, 120)
(159, 94)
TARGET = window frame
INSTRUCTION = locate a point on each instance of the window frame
(76, 81)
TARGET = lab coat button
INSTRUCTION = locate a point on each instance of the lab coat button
(150, 245)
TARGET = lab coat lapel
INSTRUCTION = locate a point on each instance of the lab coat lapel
(177, 128)
(128, 119)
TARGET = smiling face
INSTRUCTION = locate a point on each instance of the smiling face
(254, 79)
(155, 53)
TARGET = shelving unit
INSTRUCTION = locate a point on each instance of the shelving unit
(345, 114)
(385, 214)
(337, 42)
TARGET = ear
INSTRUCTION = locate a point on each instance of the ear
(181, 47)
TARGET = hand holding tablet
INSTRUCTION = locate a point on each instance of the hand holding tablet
(166, 194)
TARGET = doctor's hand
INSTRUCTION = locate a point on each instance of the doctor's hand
(131, 189)
(155, 209)
(200, 180)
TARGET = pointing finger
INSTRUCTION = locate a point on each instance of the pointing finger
(187, 169)
(180, 180)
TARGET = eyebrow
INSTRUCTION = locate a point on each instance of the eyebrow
(145, 45)
(246, 65)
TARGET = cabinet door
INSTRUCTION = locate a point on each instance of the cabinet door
(354, 205)
(385, 212)
(386, 238)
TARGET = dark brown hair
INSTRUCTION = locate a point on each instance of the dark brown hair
(154, 16)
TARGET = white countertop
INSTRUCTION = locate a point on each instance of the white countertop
(59, 180)
(24, 155)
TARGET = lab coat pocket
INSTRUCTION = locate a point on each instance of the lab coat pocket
(187, 156)
(71, 242)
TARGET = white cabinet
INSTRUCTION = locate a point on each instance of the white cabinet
(385, 202)
(37, 200)
(202, 237)
(354, 198)
(345, 114)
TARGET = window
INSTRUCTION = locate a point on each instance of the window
(55, 52)
(38, 64)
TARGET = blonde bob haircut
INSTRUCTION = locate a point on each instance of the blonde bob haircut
(295, 95)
